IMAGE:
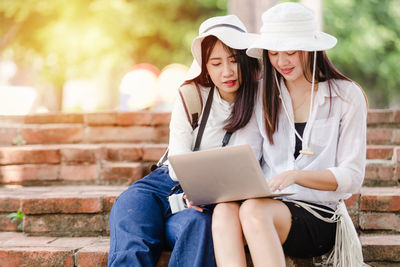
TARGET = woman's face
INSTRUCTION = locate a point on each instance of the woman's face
(223, 70)
(288, 63)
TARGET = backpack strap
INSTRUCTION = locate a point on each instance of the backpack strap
(192, 102)
(204, 119)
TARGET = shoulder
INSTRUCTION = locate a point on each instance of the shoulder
(349, 90)
(351, 95)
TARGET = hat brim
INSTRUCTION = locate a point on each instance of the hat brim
(230, 37)
(193, 71)
(321, 41)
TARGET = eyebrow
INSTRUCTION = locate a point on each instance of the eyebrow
(216, 58)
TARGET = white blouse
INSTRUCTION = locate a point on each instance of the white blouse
(335, 132)
(182, 137)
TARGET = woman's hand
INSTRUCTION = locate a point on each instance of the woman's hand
(190, 205)
(282, 180)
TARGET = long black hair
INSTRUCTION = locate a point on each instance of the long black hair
(248, 70)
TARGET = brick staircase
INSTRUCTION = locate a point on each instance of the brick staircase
(66, 177)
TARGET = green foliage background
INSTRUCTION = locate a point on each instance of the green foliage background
(368, 49)
(71, 39)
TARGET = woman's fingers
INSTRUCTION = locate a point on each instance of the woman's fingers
(190, 205)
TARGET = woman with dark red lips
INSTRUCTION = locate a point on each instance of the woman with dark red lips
(309, 131)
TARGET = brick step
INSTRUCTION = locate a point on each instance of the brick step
(385, 152)
(77, 163)
(85, 128)
(59, 210)
(83, 210)
(89, 153)
(381, 172)
(379, 209)
(16, 249)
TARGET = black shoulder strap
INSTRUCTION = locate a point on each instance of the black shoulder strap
(203, 123)
(204, 119)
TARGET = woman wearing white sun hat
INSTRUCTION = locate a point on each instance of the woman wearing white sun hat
(309, 129)
(141, 221)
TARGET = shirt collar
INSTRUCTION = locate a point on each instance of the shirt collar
(224, 104)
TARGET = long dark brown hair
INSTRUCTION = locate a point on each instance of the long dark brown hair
(324, 71)
(248, 70)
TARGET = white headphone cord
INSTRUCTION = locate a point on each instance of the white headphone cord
(304, 152)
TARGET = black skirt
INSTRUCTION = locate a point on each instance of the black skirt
(308, 235)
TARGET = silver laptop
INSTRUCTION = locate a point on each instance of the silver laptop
(220, 175)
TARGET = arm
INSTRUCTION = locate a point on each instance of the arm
(351, 152)
(320, 180)
(348, 174)
(180, 133)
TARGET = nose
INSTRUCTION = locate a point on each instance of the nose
(228, 69)
(282, 59)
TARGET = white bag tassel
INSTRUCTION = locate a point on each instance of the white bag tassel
(347, 251)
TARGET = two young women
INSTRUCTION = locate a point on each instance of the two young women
(141, 223)
(309, 129)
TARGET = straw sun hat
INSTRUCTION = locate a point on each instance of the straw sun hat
(228, 29)
(290, 26)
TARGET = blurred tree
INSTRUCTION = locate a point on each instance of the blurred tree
(70, 39)
(368, 49)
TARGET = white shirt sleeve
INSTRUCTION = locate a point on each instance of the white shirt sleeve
(351, 148)
(180, 133)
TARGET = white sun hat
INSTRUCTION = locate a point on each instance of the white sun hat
(290, 26)
(228, 29)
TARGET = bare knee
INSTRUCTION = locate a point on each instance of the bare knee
(254, 213)
(223, 215)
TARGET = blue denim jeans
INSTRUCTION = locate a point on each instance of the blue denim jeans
(141, 226)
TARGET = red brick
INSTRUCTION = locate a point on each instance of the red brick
(161, 134)
(381, 248)
(124, 152)
(396, 137)
(82, 153)
(29, 155)
(50, 134)
(397, 154)
(161, 119)
(62, 204)
(379, 135)
(380, 199)
(36, 256)
(380, 203)
(397, 116)
(7, 134)
(154, 152)
(379, 221)
(94, 255)
(71, 224)
(100, 118)
(55, 118)
(108, 202)
(9, 203)
(380, 172)
(119, 134)
(79, 172)
(379, 152)
(379, 116)
(352, 202)
(143, 118)
(6, 224)
(28, 173)
(124, 171)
